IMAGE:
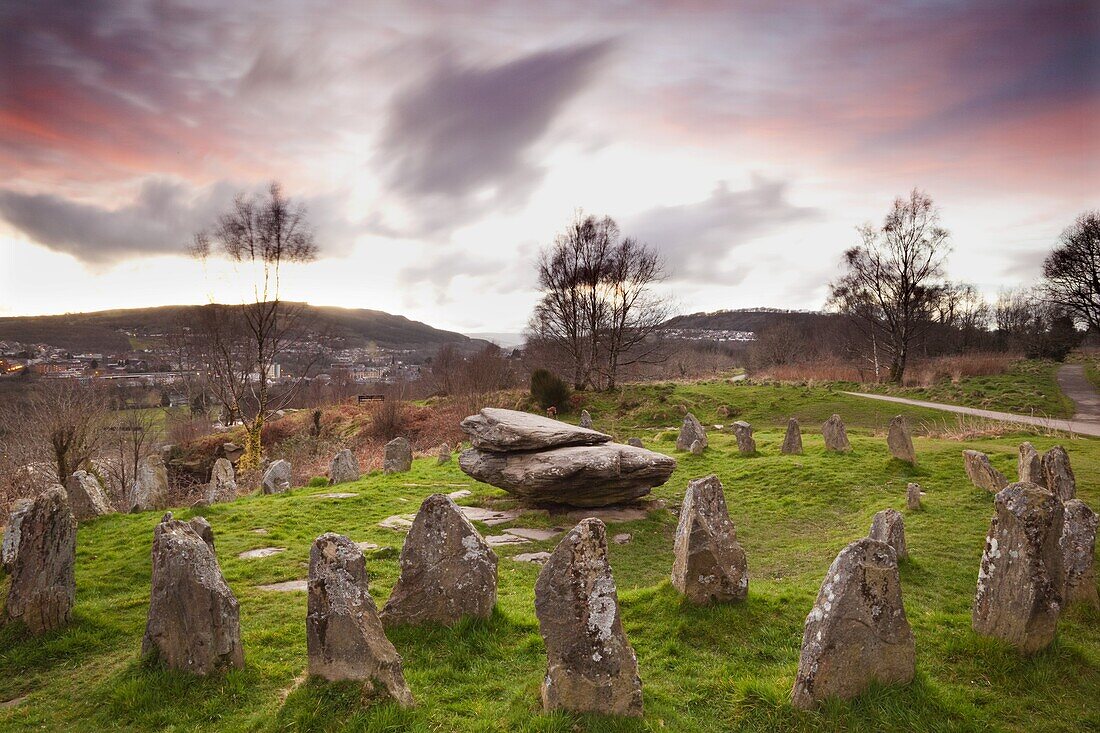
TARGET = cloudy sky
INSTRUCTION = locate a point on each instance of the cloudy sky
(438, 145)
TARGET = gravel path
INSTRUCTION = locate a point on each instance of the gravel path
(1076, 386)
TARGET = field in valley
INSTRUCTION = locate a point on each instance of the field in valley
(703, 668)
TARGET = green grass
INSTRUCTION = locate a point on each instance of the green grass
(1092, 372)
(1029, 387)
(703, 668)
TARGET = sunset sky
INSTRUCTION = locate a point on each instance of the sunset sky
(438, 145)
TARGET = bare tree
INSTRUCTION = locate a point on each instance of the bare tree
(894, 277)
(263, 233)
(1071, 271)
(129, 436)
(598, 311)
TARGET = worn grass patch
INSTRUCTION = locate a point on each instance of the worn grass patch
(703, 668)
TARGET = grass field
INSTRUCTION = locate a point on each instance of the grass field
(1029, 387)
(703, 668)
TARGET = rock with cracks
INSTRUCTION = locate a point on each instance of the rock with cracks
(398, 456)
(1058, 474)
(835, 435)
(857, 632)
(223, 482)
(889, 526)
(344, 468)
(443, 455)
(900, 441)
(1019, 592)
(981, 472)
(1078, 544)
(746, 444)
(194, 618)
(344, 636)
(708, 563)
(1029, 465)
(691, 431)
(912, 497)
(447, 569)
(504, 431)
(43, 583)
(277, 477)
(792, 441)
(582, 475)
(150, 488)
(591, 667)
(87, 499)
(586, 419)
(18, 512)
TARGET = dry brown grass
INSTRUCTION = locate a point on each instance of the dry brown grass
(972, 427)
(920, 373)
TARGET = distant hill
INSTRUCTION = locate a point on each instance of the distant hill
(746, 319)
(104, 330)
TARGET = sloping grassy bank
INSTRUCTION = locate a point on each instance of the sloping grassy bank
(703, 668)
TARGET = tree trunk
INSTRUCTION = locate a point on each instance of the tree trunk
(250, 458)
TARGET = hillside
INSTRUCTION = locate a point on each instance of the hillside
(747, 319)
(104, 330)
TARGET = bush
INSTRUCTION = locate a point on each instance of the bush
(549, 390)
(318, 481)
(388, 421)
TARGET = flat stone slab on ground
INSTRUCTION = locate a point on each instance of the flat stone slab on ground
(335, 495)
(259, 530)
(460, 494)
(365, 546)
(491, 517)
(538, 535)
(287, 586)
(622, 538)
(496, 540)
(610, 514)
(260, 552)
(536, 557)
(399, 522)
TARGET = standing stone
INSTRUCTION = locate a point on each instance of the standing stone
(745, 442)
(18, 512)
(202, 529)
(150, 487)
(900, 441)
(223, 482)
(586, 419)
(344, 467)
(447, 569)
(1029, 466)
(194, 620)
(708, 563)
(277, 477)
(1019, 584)
(635, 442)
(591, 667)
(1078, 544)
(835, 435)
(1058, 474)
(344, 637)
(398, 457)
(444, 455)
(697, 448)
(912, 497)
(43, 584)
(981, 472)
(691, 431)
(723, 411)
(792, 441)
(86, 496)
(857, 632)
(889, 526)
(232, 451)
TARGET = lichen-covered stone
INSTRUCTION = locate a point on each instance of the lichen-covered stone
(857, 632)
(792, 441)
(746, 444)
(1058, 474)
(397, 457)
(586, 419)
(591, 667)
(43, 583)
(1078, 544)
(900, 441)
(447, 569)
(344, 468)
(194, 618)
(981, 472)
(503, 431)
(1029, 465)
(1019, 592)
(443, 455)
(10, 549)
(912, 497)
(835, 435)
(634, 442)
(223, 482)
(277, 477)
(889, 526)
(150, 488)
(708, 563)
(344, 636)
(691, 431)
(86, 496)
(697, 448)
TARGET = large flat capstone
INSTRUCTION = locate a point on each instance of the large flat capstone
(502, 431)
